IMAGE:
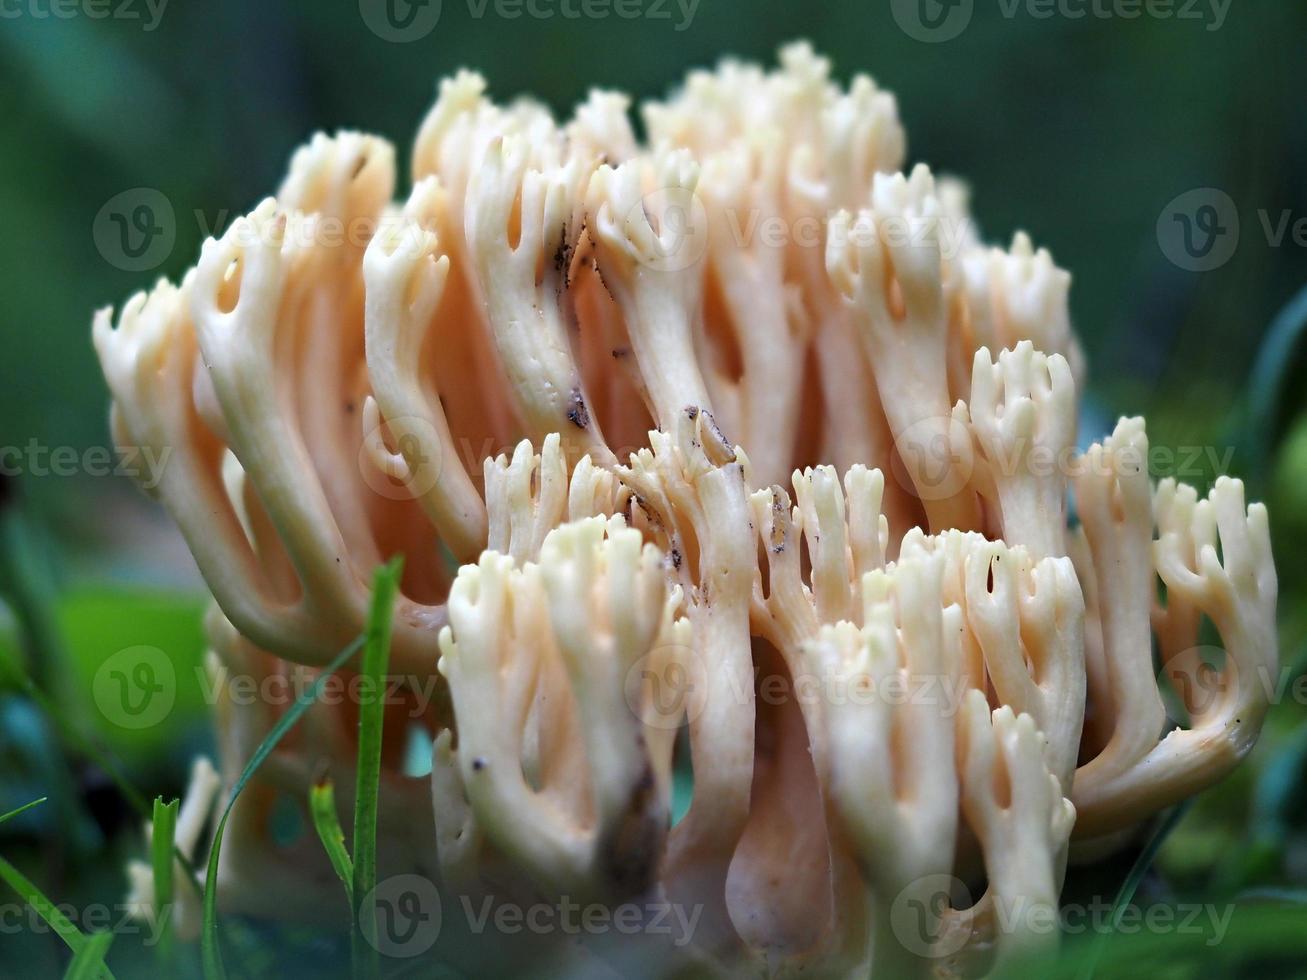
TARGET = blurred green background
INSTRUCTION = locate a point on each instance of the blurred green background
(1080, 130)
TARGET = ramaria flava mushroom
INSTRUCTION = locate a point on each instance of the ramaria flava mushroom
(743, 405)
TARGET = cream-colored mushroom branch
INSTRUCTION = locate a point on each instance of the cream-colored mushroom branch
(1214, 558)
(690, 493)
(540, 659)
(900, 802)
(1022, 822)
(251, 376)
(752, 573)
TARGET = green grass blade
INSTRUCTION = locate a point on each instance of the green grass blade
(22, 809)
(89, 963)
(162, 838)
(211, 955)
(322, 807)
(47, 910)
(1131, 884)
(376, 663)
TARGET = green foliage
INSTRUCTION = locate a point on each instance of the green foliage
(1130, 886)
(210, 947)
(88, 962)
(326, 821)
(22, 809)
(162, 846)
(372, 711)
(49, 912)
(1080, 131)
